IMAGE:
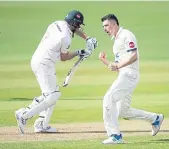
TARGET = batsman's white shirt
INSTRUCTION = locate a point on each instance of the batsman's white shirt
(57, 39)
(125, 42)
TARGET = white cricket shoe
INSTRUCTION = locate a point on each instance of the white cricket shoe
(38, 128)
(114, 139)
(49, 129)
(21, 122)
(157, 124)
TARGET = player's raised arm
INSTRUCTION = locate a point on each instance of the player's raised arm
(91, 42)
(130, 45)
(110, 65)
(79, 32)
(102, 57)
(133, 57)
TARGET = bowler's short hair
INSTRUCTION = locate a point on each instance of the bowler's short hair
(110, 17)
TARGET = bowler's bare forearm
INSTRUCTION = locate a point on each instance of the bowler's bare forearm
(105, 61)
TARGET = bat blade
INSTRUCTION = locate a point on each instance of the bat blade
(72, 71)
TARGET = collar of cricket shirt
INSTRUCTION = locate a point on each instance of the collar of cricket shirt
(120, 29)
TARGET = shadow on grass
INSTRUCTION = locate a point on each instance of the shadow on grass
(19, 99)
(147, 142)
(161, 141)
(28, 99)
(124, 131)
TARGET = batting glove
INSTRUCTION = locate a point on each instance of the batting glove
(91, 44)
(83, 52)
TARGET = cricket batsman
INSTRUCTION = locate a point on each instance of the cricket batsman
(53, 47)
(117, 100)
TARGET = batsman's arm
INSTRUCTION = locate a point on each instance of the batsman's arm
(81, 34)
(68, 55)
(91, 42)
(65, 54)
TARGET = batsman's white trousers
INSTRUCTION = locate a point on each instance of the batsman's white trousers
(46, 78)
(117, 101)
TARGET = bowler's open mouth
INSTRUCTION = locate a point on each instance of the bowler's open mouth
(108, 33)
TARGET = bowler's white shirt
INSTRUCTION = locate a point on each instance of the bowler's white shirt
(57, 39)
(124, 43)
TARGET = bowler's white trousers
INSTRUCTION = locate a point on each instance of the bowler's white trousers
(117, 101)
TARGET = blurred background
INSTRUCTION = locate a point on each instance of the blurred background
(22, 25)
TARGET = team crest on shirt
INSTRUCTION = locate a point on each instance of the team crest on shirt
(131, 44)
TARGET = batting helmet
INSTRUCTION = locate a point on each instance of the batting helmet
(75, 18)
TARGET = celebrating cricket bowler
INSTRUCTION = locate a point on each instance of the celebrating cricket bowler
(117, 100)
